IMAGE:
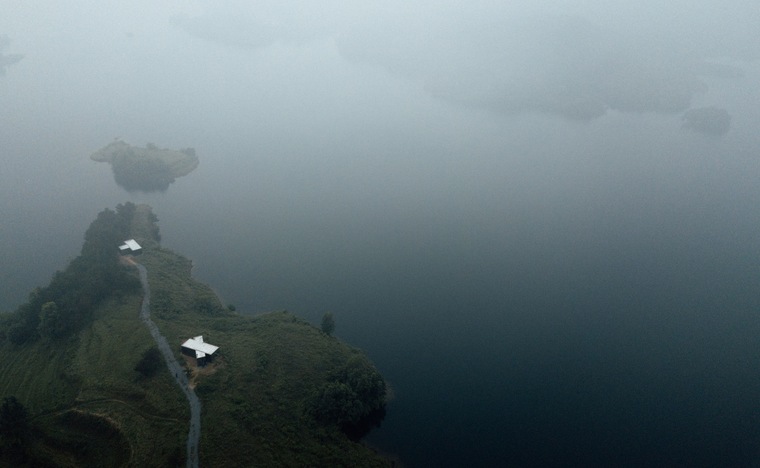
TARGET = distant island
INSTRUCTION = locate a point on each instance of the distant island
(148, 169)
(7, 60)
(712, 121)
(85, 385)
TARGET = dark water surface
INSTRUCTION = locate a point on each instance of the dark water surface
(586, 299)
(610, 324)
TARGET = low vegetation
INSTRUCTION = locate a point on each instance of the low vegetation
(280, 393)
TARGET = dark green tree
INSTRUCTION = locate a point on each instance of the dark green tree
(52, 324)
(14, 429)
(207, 304)
(144, 173)
(365, 381)
(328, 323)
(150, 363)
(337, 403)
(352, 393)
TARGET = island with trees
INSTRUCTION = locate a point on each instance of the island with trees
(7, 60)
(712, 121)
(147, 169)
(84, 385)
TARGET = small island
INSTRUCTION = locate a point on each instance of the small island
(711, 121)
(147, 169)
(7, 60)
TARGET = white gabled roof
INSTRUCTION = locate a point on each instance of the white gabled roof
(200, 348)
(130, 244)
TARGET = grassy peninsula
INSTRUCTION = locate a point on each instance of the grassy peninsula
(83, 384)
(146, 169)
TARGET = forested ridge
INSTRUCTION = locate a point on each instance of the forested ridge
(67, 302)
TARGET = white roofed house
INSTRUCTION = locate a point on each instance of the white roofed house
(130, 247)
(202, 352)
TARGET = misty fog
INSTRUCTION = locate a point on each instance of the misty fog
(521, 211)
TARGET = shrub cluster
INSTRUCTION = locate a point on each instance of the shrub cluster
(350, 394)
(142, 173)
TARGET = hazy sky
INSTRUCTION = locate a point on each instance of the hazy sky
(178, 73)
(399, 99)
(349, 104)
(571, 58)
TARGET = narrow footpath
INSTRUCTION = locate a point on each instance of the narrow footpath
(193, 437)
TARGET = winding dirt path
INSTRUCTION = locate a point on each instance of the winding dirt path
(193, 437)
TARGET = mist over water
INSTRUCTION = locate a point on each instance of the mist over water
(518, 321)
(537, 290)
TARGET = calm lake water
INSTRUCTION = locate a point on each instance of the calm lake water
(587, 299)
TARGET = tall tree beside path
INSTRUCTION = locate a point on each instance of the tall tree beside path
(328, 323)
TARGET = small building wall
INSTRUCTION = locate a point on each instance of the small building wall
(200, 361)
(203, 353)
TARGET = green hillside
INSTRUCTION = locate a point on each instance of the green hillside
(97, 392)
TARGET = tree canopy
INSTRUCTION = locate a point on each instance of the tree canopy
(65, 304)
(141, 173)
(351, 394)
(147, 169)
(14, 429)
(328, 323)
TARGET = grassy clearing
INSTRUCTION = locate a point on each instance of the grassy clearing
(254, 404)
